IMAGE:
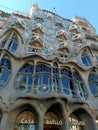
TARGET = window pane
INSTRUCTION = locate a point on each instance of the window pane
(65, 84)
(93, 82)
(13, 46)
(4, 76)
(24, 78)
(86, 59)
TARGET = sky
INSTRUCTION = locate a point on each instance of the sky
(65, 8)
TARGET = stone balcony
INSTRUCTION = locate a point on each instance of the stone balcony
(36, 41)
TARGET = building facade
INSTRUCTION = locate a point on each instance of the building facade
(48, 72)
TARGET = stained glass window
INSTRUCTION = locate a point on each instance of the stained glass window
(66, 76)
(13, 43)
(86, 58)
(56, 78)
(5, 71)
(78, 83)
(23, 81)
(93, 82)
(42, 80)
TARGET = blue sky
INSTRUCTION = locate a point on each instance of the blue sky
(64, 8)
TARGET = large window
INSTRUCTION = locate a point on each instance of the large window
(42, 81)
(13, 43)
(78, 84)
(56, 78)
(93, 82)
(23, 81)
(86, 58)
(5, 71)
(72, 83)
(66, 79)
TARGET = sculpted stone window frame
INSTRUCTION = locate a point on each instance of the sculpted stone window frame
(43, 81)
(93, 82)
(13, 44)
(56, 78)
(86, 58)
(5, 71)
(10, 42)
(65, 79)
(24, 78)
(79, 85)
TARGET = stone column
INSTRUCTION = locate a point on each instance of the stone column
(40, 122)
(94, 124)
(4, 120)
(65, 123)
(90, 124)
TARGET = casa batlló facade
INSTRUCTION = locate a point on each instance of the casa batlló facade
(48, 72)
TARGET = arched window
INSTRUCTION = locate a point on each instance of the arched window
(23, 80)
(42, 81)
(56, 78)
(93, 82)
(13, 43)
(79, 87)
(5, 71)
(66, 79)
(25, 121)
(86, 58)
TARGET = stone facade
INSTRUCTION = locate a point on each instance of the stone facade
(48, 72)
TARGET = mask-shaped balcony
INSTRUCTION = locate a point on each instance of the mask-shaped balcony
(38, 28)
(77, 38)
(64, 48)
(36, 41)
(61, 35)
(19, 24)
(73, 29)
